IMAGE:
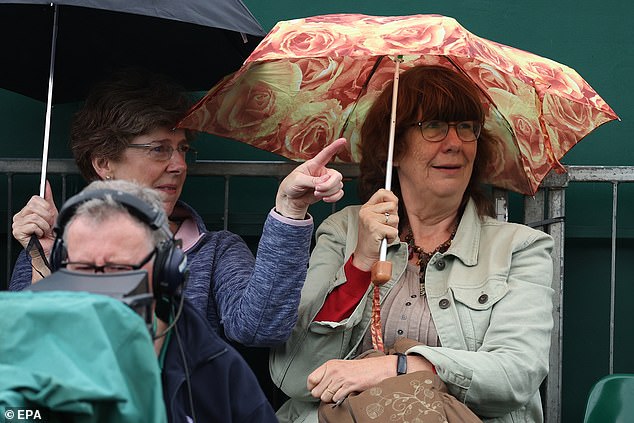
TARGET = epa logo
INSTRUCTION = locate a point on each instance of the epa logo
(17, 414)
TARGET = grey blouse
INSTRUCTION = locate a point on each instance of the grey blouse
(404, 313)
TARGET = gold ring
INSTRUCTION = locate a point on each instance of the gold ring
(387, 218)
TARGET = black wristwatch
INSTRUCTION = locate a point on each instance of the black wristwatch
(401, 364)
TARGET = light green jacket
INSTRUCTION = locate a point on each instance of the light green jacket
(490, 299)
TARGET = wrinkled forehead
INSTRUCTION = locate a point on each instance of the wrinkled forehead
(107, 223)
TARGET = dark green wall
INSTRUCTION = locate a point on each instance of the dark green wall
(592, 37)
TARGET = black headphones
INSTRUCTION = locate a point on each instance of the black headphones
(170, 262)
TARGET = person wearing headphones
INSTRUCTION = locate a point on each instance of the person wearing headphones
(116, 226)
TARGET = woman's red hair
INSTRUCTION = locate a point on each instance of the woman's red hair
(424, 93)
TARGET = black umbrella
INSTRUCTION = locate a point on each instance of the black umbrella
(55, 52)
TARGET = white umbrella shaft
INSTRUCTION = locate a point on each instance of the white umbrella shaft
(49, 107)
(390, 148)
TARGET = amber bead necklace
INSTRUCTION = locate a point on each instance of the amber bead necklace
(424, 256)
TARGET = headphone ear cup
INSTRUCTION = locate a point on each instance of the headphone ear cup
(58, 254)
(168, 277)
(169, 272)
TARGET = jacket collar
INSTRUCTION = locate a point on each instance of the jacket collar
(464, 246)
(466, 242)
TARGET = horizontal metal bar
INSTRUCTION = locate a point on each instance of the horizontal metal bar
(348, 170)
(200, 168)
(26, 166)
(601, 173)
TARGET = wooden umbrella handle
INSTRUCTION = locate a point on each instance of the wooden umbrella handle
(381, 272)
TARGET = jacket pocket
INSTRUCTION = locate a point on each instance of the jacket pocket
(483, 296)
(474, 305)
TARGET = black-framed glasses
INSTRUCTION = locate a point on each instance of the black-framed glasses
(163, 152)
(437, 130)
(78, 266)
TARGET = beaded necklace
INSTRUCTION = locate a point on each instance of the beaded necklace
(424, 256)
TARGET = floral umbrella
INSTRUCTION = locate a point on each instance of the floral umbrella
(312, 80)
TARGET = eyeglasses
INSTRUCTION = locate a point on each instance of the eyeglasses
(78, 266)
(164, 152)
(437, 130)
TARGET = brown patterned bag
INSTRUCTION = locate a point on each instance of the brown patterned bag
(414, 397)
(420, 397)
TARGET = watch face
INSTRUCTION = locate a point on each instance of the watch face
(401, 364)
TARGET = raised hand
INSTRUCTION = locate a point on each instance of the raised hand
(37, 217)
(310, 182)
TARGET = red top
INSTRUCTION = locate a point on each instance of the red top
(342, 301)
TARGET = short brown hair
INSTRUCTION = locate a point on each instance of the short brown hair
(132, 102)
(436, 93)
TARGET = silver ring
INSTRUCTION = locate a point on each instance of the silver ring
(387, 218)
(331, 393)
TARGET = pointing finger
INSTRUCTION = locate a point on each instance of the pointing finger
(325, 155)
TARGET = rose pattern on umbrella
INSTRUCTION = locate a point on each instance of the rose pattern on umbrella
(311, 77)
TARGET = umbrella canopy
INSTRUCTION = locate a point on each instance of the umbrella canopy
(93, 37)
(312, 80)
(165, 36)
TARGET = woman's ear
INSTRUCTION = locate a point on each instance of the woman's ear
(102, 167)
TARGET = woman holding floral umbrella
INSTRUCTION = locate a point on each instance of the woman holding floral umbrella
(471, 292)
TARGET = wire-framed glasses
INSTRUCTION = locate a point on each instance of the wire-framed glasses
(78, 266)
(437, 130)
(162, 152)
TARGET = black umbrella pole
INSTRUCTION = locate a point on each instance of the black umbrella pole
(49, 106)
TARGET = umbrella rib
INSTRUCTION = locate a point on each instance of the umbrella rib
(361, 91)
(458, 67)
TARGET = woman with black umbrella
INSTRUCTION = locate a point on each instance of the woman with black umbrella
(125, 130)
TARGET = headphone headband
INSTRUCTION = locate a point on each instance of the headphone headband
(138, 208)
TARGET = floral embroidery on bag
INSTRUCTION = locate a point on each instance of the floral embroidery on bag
(407, 407)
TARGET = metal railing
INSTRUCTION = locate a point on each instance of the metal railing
(545, 211)
(65, 168)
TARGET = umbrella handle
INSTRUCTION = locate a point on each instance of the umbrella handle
(375, 326)
(381, 272)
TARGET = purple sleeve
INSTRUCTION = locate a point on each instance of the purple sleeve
(258, 304)
(21, 277)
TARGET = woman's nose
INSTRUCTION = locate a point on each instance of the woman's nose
(177, 162)
(452, 140)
